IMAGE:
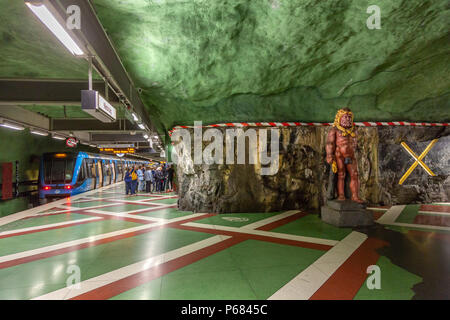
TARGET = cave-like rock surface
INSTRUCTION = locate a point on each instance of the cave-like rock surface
(258, 60)
(302, 177)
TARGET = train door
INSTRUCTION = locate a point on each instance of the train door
(113, 171)
(94, 170)
(106, 176)
(100, 172)
(90, 174)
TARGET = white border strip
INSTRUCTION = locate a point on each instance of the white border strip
(26, 213)
(307, 282)
(274, 218)
(264, 233)
(121, 273)
(391, 215)
(45, 226)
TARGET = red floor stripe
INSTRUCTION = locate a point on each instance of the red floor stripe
(435, 208)
(44, 229)
(378, 214)
(128, 283)
(441, 221)
(282, 222)
(345, 282)
(56, 252)
(257, 237)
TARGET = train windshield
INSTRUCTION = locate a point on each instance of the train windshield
(58, 170)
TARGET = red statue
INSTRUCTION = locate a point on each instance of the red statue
(341, 146)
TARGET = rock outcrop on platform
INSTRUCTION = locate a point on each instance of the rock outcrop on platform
(302, 178)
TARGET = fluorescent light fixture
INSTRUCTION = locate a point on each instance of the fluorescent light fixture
(140, 125)
(39, 133)
(50, 21)
(135, 118)
(11, 125)
(93, 146)
(58, 137)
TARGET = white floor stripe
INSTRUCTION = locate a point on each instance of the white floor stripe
(307, 282)
(376, 209)
(126, 215)
(66, 223)
(436, 213)
(109, 277)
(150, 209)
(391, 215)
(20, 215)
(264, 233)
(91, 238)
(63, 245)
(263, 222)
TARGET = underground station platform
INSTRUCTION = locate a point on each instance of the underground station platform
(224, 159)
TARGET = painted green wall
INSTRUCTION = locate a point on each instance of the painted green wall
(23, 146)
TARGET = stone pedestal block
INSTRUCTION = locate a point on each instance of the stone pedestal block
(346, 214)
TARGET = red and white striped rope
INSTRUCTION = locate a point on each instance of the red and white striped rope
(313, 124)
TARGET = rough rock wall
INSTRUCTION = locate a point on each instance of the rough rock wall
(302, 177)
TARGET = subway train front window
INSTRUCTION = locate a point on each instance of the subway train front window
(58, 169)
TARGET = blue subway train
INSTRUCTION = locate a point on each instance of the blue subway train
(70, 173)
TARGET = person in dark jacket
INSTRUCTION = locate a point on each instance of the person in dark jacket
(128, 181)
(170, 173)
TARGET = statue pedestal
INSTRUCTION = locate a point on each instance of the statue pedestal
(346, 214)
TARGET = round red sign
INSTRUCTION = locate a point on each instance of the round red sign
(71, 142)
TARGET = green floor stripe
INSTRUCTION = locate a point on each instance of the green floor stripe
(408, 214)
(43, 276)
(236, 219)
(125, 207)
(46, 238)
(87, 204)
(167, 213)
(166, 201)
(312, 226)
(396, 283)
(40, 221)
(249, 270)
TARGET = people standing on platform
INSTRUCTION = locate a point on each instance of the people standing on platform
(148, 180)
(164, 178)
(154, 179)
(134, 180)
(141, 181)
(128, 181)
(170, 173)
(159, 177)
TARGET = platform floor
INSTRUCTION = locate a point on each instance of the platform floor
(142, 247)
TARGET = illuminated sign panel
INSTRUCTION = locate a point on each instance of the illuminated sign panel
(94, 104)
(118, 150)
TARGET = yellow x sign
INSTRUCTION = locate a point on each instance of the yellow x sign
(418, 160)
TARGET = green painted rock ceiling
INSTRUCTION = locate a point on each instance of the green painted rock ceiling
(259, 60)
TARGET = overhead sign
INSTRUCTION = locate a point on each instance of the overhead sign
(71, 142)
(130, 145)
(94, 104)
(118, 150)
